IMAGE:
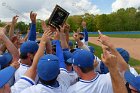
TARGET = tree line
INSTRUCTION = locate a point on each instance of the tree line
(121, 20)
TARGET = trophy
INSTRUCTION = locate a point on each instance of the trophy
(58, 17)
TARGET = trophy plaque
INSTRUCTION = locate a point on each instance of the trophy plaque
(58, 17)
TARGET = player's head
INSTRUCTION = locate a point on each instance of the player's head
(67, 58)
(83, 61)
(81, 36)
(5, 60)
(124, 54)
(28, 50)
(53, 47)
(48, 69)
(133, 82)
(70, 45)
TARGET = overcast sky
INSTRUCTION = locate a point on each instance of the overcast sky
(9, 8)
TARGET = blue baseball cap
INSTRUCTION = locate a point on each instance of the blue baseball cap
(48, 67)
(67, 56)
(5, 59)
(6, 74)
(70, 43)
(29, 47)
(92, 50)
(81, 33)
(124, 54)
(83, 58)
(132, 80)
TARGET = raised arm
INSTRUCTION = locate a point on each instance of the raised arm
(11, 31)
(105, 40)
(31, 72)
(117, 81)
(67, 30)
(10, 46)
(59, 52)
(48, 44)
(80, 44)
(3, 47)
(32, 33)
(64, 43)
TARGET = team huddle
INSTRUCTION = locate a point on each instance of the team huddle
(58, 64)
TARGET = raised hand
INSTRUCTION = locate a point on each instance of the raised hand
(78, 30)
(105, 40)
(67, 28)
(62, 28)
(15, 64)
(47, 33)
(2, 33)
(33, 17)
(44, 27)
(14, 20)
(76, 36)
(108, 59)
(57, 35)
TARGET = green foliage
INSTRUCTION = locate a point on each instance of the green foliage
(22, 27)
(133, 62)
(122, 20)
(38, 26)
(2, 24)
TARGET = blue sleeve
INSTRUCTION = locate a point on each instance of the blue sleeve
(59, 54)
(66, 49)
(6, 74)
(86, 34)
(32, 33)
(103, 68)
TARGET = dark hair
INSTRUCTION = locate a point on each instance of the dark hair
(24, 55)
(47, 82)
(68, 64)
(54, 48)
(72, 50)
(87, 69)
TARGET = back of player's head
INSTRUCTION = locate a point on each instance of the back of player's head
(124, 54)
(83, 59)
(133, 80)
(48, 67)
(70, 43)
(28, 47)
(67, 57)
(5, 59)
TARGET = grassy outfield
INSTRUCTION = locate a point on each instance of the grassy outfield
(118, 35)
(133, 62)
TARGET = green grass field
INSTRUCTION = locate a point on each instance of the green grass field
(133, 62)
(118, 35)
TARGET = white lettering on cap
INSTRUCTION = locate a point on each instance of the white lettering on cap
(48, 59)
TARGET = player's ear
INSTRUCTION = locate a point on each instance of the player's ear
(95, 63)
(75, 68)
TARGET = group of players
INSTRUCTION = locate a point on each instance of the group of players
(57, 65)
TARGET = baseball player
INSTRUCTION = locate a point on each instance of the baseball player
(51, 70)
(90, 82)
